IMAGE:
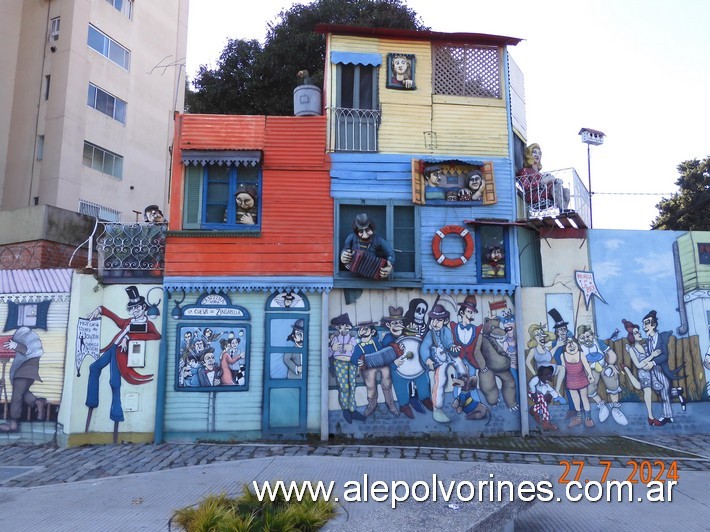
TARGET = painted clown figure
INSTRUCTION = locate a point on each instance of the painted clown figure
(115, 355)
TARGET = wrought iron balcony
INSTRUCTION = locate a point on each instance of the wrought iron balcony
(354, 129)
(134, 250)
(554, 194)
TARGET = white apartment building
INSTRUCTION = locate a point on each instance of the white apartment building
(88, 93)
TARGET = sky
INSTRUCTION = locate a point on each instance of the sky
(636, 70)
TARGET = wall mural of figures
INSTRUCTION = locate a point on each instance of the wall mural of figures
(214, 355)
(34, 334)
(422, 363)
(619, 350)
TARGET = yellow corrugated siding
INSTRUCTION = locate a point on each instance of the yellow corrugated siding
(402, 128)
(470, 130)
(422, 73)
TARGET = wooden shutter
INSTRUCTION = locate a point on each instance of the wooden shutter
(489, 184)
(417, 183)
(42, 313)
(192, 209)
(12, 313)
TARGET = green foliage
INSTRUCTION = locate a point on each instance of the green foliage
(689, 208)
(219, 513)
(250, 79)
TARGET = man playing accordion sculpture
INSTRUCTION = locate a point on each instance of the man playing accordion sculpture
(365, 253)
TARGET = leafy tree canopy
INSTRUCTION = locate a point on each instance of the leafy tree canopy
(251, 79)
(689, 208)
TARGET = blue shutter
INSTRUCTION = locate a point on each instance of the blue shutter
(12, 312)
(42, 312)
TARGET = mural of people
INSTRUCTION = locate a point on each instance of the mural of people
(495, 367)
(657, 345)
(364, 240)
(539, 353)
(414, 318)
(407, 371)
(23, 373)
(369, 343)
(207, 373)
(602, 360)
(440, 354)
(474, 186)
(294, 361)
(542, 394)
(578, 375)
(340, 350)
(115, 355)
(230, 355)
(465, 335)
(541, 191)
(400, 71)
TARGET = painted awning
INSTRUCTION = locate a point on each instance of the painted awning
(488, 289)
(248, 284)
(35, 285)
(355, 58)
(205, 157)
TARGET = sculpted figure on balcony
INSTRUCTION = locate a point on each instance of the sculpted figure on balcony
(541, 190)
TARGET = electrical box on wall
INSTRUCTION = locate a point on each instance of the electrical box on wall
(136, 354)
(130, 402)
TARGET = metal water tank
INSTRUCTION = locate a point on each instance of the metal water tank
(306, 100)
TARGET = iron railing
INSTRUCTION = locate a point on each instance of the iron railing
(552, 193)
(131, 250)
(354, 129)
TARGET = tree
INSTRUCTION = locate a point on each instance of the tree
(688, 209)
(250, 79)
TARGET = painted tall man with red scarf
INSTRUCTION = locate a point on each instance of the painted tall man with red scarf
(115, 355)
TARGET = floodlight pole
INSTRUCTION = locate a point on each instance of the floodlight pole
(589, 137)
(589, 184)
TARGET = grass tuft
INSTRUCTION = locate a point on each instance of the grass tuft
(220, 513)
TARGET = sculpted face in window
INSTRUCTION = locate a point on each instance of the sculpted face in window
(246, 207)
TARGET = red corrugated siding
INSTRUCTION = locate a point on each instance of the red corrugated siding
(297, 210)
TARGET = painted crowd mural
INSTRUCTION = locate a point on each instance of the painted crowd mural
(405, 361)
(624, 350)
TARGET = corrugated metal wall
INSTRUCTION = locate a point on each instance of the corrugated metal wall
(188, 414)
(517, 98)
(296, 237)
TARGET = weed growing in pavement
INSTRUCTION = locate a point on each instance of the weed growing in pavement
(247, 513)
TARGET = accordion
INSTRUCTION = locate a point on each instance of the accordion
(366, 264)
(379, 359)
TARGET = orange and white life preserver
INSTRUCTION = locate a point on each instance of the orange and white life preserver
(451, 230)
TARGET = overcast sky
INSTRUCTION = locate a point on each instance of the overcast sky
(638, 70)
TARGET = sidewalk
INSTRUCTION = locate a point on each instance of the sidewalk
(137, 487)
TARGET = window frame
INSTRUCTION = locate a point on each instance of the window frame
(480, 251)
(125, 7)
(53, 30)
(344, 278)
(108, 96)
(116, 157)
(196, 197)
(108, 45)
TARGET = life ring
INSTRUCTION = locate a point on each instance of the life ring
(438, 239)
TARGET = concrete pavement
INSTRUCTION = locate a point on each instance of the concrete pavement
(137, 487)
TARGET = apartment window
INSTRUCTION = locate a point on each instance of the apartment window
(47, 81)
(224, 193)
(103, 160)
(53, 30)
(107, 104)
(124, 6)
(40, 147)
(467, 71)
(109, 48)
(395, 223)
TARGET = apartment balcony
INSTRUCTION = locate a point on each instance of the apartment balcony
(134, 252)
(353, 130)
(555, 199)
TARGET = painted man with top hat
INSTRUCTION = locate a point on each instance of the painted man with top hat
(340, 350)
(363, 238)
(115, 354)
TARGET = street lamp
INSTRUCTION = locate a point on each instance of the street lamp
(591, 137)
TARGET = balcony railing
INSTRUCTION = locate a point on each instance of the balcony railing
(134, 250)
(354, 129)
(550, 194)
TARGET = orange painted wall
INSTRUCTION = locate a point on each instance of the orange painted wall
(297, 210)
